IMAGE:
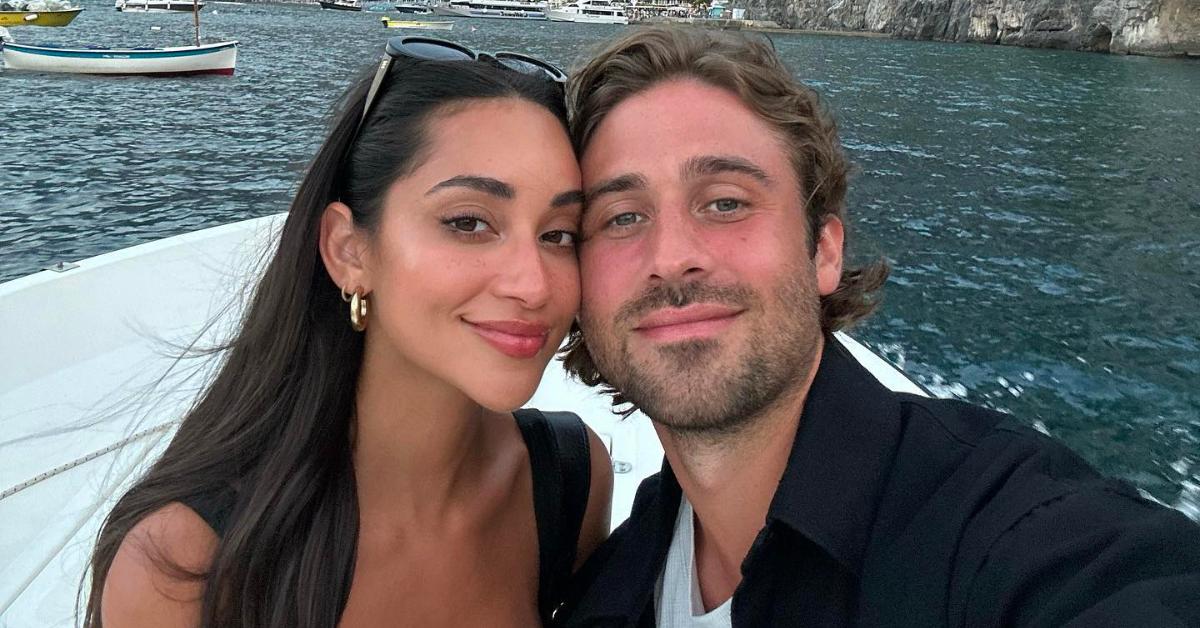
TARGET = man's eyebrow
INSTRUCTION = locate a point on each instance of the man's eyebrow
(697, 167)
(487, 185)
(565, 199)
(622, 183)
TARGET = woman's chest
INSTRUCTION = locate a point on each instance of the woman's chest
(485, 579)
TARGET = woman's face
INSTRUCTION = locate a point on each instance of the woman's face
(472, 272)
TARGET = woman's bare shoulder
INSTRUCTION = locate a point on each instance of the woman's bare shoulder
(599, 509)
(156, 576)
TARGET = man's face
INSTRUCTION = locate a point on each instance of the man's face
(700, 293)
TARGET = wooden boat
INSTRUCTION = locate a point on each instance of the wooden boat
(38, 18)
(219, 58)
(157, 6)
(433, 26)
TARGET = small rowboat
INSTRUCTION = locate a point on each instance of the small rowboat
(217, 58)
(433, 26)
(38, 18)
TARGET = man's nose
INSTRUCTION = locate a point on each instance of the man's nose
(678, 251)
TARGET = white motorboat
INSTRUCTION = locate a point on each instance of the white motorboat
(90, 392)
(416, 24)
(493, 9)
(157, 6)
(341, 5)
(589, 12)
(219, 58)
(413, 9)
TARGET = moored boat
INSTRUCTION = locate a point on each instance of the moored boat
(493, 9)
(416, 24)
(218, 58)
(589, 12)
(38, 18)
(413, 9)
(157, 6)
(341, 5)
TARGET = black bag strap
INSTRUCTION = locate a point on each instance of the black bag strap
(560, 459)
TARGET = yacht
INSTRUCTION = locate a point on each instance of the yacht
(495, 9)
(590, 12)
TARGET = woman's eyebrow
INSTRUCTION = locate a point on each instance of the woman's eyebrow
(487, 185)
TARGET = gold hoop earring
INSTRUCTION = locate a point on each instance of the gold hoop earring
(358, 311)
(345, 295)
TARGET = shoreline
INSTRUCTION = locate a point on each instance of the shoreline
(768, 26)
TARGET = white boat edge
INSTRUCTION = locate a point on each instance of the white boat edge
(77, 423)
(214, 58)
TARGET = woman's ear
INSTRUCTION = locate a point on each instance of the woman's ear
(344, 249)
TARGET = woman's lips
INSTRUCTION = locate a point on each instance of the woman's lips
(514, 338)
(701, 320)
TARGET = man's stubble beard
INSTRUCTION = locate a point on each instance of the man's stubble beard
(701, 388)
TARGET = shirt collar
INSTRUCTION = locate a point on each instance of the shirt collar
(844, 446)
(639, 547)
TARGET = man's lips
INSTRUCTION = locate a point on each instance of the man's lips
(514, 338)
(689, 322)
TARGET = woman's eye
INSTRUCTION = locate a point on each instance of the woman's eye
(560, 238)
(467, 224)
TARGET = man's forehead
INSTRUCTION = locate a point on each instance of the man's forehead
(676, 123)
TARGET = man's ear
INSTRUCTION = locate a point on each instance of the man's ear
(344, 249)
(828, 259)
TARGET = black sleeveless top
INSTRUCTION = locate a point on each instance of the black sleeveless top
(561, 464)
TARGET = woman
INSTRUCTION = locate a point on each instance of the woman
(359, 465)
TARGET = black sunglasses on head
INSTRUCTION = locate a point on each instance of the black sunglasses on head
(433, 49)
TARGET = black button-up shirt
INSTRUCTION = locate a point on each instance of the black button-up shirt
(898, 510)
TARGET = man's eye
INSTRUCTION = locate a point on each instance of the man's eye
(624, 220)
(561, 238)
(726, 205)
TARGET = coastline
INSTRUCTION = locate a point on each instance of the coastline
(769, 26)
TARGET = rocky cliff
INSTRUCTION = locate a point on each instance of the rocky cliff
(1155, 27)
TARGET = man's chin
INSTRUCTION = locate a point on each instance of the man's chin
(668, 359)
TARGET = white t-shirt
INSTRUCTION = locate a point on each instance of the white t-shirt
(677, 597)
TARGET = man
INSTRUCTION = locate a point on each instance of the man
(798, 491)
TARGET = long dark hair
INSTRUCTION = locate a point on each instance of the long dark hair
(273, 428)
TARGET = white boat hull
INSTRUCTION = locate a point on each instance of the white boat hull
(416, 24)
(558, 15)
(157, 6)
(184, 60)
(492, 14)
(89, 394)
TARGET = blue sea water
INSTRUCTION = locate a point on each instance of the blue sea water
(1041, 208)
